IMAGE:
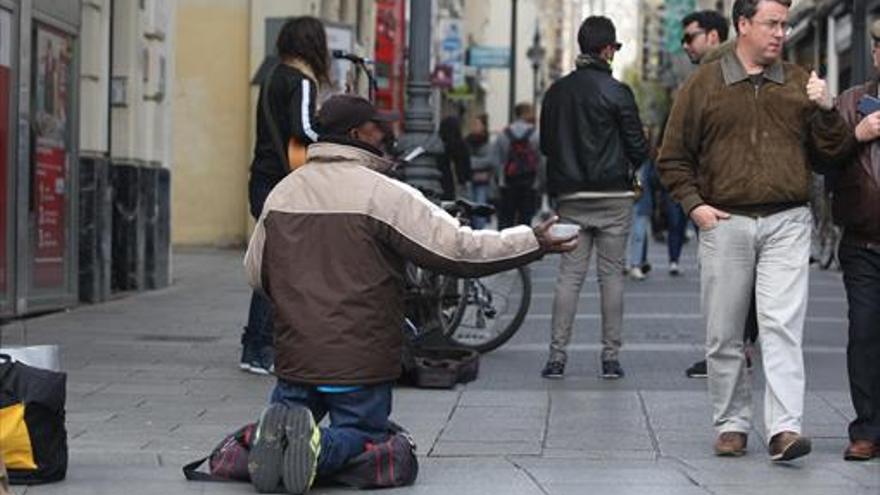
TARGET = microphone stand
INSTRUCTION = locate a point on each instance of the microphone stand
(372, 84)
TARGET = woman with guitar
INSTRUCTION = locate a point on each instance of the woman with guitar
(285, 126)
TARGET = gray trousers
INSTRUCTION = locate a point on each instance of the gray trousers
(770, 254)
(605, 224)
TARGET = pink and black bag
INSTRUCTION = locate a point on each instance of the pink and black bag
(387, 464)
(228, 460)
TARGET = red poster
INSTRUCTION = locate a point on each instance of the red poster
(49, 198)
(52, 133)
(5, 89)
(390, 36)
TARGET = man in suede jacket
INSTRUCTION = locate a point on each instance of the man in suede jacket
(857, 210)
(737, 154)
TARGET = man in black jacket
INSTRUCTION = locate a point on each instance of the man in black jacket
(592, 136)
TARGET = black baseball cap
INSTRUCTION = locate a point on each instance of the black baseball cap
(597, 32)
(342, 113)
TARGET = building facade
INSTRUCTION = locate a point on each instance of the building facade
(85, 170)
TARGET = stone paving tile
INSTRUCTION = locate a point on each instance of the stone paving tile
(602, 441)
(794, 488)
(484, 449)
(584, 471)
(620, 488)
(598, 455)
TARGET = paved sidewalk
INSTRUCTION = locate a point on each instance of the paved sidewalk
(153, 383)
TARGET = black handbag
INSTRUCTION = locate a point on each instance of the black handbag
(33, 439)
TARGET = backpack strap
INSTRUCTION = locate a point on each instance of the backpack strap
(192, 473)
(524, 138)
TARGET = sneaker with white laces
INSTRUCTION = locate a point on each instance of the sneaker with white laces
(611, 370)
(554, 370)
(262, 361)
(674, 269)
(636, 273)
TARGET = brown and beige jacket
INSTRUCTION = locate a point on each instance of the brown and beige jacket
(329, 250)
(744, 149)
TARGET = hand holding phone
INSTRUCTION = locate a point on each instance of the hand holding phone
(868, 128)
(868, 105)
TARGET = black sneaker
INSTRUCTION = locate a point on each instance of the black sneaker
(263, 361)
(303, 448)
(697, 370)
(611, 370)
(248, 355)
(554, 370)
(266, 457)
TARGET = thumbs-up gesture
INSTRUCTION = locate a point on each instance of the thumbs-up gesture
(817, 92)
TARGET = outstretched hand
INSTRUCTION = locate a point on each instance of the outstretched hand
(550, 244)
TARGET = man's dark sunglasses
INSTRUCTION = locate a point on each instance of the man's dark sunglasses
(687, 38)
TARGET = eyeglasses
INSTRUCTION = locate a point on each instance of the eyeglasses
(774, 26)
(688, 38)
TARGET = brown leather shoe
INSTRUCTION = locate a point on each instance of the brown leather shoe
(731, 444)
(789, 445)
(861, 450)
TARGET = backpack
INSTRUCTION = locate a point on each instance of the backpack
(387, 464)
(228, 460)
(33, 437)
(521, 167)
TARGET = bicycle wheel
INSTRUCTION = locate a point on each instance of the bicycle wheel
(484, 313)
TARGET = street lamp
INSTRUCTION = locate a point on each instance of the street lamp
(536, 56)
(422, 171)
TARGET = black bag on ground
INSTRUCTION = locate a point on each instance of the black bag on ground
(33, 437)
(438, 367)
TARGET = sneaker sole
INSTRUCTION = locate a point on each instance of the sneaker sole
(857, 457)
(799, 448)
(266, 456)
(697, 375)
(730, 453)
(553, 377)
(258, 371)
(610, 377)
(300, 460)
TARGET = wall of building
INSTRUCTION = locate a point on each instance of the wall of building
(210, 100)
(215, 105)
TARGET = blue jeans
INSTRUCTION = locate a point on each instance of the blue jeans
(480, 194)
(356, 418)
(637, 251)
(861, 278)
(258, 331)
(677, 221)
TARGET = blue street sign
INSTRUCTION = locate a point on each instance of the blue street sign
(489, 56)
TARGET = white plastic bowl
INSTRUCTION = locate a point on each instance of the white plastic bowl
(564, 230)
